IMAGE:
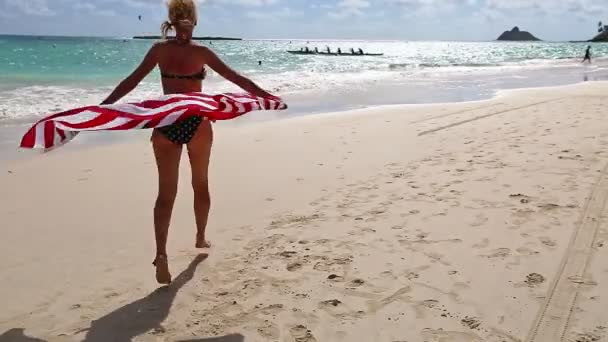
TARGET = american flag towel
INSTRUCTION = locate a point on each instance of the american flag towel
(60, 128)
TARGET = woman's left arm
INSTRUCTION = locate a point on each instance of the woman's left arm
(129, 83)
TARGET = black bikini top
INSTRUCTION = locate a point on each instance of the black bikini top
(198, 76)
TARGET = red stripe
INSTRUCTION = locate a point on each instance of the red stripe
(29, 139)
(49, 134)
(129, 125)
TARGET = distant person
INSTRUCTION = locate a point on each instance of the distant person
(587, 55)
(339, 51)
(352, 51)
(360, 51)
(307, 49)
(316, 50)
(328, 50)
(260, 63)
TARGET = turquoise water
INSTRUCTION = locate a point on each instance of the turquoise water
(39, 75)
(52, 60)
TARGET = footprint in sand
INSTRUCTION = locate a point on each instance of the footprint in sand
(479, 220)
(269, 331)
(452, 336)
(471, 322)
(596, 335)
(302, 334)
(294, 266)
(357, 282)
(534, 279)
(331, 302)
(335, 278)
(498, 253)
(547, 241)
(525, 251)
(483, 244)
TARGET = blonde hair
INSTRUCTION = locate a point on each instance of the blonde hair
(179, 10)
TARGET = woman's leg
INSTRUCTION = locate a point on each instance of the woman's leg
(167, 156)
(199, 151)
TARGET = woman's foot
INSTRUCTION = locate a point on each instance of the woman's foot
(162, 270)
(201, 242)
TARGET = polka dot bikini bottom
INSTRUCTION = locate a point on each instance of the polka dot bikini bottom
(183, 131)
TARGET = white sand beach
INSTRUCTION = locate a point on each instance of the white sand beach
(479, 221)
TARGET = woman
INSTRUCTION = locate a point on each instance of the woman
(182, 65)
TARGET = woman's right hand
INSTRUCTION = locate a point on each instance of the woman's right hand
(263, 93)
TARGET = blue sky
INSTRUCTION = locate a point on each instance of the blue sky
(343, 19)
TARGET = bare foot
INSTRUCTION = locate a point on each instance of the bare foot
(201, 242)
(162, 270)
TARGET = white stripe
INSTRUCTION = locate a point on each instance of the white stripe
(39, 142)
(255, 105)
(240, 107)
(108, 125)
(136, 110)
(78, 118)
(228, 105)
(171, 118)
(142, 124)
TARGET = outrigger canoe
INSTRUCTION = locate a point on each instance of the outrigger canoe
(322, 53)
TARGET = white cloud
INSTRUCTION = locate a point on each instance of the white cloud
(93, 9)
(494, 9)
(349, 8)
(31, 7)
(282, 13)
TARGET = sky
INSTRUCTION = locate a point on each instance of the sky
(313, 19)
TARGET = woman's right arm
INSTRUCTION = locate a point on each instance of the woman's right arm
(228, 73)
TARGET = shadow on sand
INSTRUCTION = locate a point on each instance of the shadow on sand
(136, 318)
(17, 335)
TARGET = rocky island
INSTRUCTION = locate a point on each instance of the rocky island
(602, 37)
(516, 35)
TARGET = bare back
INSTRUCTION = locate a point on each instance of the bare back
(180, 59)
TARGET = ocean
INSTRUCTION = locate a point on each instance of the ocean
(43, 75)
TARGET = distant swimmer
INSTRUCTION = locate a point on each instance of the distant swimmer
(259, 62)
(328, 49)
(587, 55)
(316, 50)
(360, 51)
(339, 51)
(352, 51)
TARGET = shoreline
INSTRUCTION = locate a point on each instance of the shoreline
(402, 222)
(12, 134)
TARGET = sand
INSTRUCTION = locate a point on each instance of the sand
(480, 221)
